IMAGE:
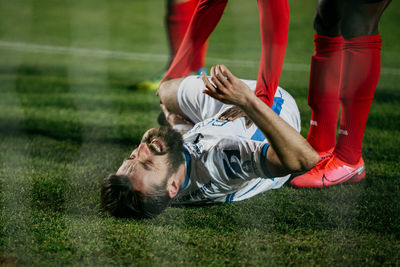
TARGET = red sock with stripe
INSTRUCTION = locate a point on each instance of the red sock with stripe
(205, 18)
(323, 92)
(274, 26)
(360, 75)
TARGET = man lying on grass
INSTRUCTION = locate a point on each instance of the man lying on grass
(216, 160)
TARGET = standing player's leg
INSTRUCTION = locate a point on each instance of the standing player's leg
(274, 26)
(360, 74)
(323, 92)
(179, 14)
(205, 18)
(199, 57)
(361, 69)
(177, 20)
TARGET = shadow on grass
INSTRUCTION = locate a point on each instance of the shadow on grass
(43, 70)
(59, 74)
(55, 94)
(67, 130)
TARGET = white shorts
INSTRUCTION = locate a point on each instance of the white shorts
(198, 106)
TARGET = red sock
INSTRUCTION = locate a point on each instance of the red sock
(205, 18)
(199, 58)
(177, 20)
(323, 91)
(274, 25)
(360, 75)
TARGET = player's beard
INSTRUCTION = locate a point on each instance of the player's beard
(173, 145)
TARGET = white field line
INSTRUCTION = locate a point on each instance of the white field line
(99, 53)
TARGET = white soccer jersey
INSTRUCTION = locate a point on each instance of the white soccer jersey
(225, 162)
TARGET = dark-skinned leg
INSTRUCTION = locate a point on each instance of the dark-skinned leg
(361, 71)
(359, 77)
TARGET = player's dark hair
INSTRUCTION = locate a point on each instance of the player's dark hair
(119, 199)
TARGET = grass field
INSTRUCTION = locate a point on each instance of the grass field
(69, 115)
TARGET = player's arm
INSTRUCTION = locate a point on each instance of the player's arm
(289, 152)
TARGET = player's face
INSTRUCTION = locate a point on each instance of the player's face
(149, 165)
(145, 169)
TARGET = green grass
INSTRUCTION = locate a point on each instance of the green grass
(67, 120)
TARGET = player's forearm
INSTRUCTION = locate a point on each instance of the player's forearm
(290, 151)
(293, 152)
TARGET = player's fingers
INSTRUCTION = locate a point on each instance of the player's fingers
(164, 109)
(207, 83)
(211, 90)
(226, 72)
(167, 114)
(224, 115)
(221, 77)
(236, 113)
(239, 113)
(231, 114)
(219, 86)
(248, 122)
(212, 71)
(212, 94)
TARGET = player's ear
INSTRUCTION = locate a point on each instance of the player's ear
(173, 186)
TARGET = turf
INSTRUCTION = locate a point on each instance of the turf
(69, 116)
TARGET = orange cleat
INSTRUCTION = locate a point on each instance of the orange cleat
(330, 171)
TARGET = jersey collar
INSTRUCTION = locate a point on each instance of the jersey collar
(187, 167)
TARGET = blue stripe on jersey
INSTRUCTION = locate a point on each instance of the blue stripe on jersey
(230, 197)
(250, 189)
(188, 161)
(277, 108)
(233, 195)
(277, 105)
(258, 136)
(227, 198)
(263, 160)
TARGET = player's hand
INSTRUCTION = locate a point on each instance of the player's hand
(227, 88)
(234, 113)
(174, 119)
